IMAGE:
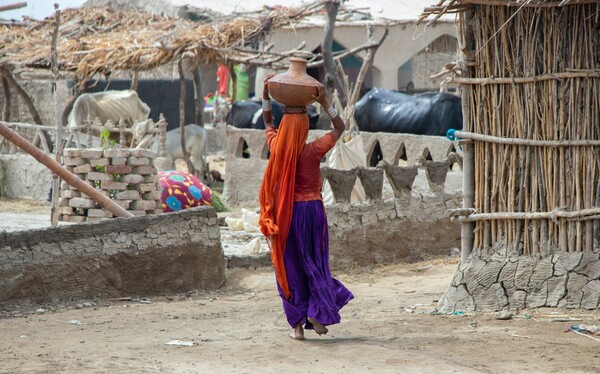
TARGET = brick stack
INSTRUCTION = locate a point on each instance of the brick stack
(125, 175)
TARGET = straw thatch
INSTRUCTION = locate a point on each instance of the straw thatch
(101, 40)
(530, 71)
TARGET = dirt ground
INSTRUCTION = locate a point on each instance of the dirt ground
(388, 328)
(392, 326)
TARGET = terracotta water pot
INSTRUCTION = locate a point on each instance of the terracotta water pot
(295, 87)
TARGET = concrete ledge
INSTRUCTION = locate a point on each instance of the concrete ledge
(149, 255)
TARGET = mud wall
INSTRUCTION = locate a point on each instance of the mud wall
(149, 255)
(564, 280)
(398, 230)
(24, 177)
(246, 166)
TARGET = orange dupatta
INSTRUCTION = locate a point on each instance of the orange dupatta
(276, 196)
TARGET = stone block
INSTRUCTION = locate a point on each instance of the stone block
(92, 153)
(102, 213)
(132, 178)
(76, 161)
(118, 161)
(146, 187)
(110, 185)
(153, 195)
(82, 169)
(78, 219)
(153, 178)
(123, 203)
(118, 169)
(80, 202)
(99, 162)
(96, 219)
(65, 210)
(138, 212)
(116, 153)
(68, 194)
(142, 153)
(143, 205)
(138, 161)
(71, 152)
(96, 176)
(127, 195)
(144, 170)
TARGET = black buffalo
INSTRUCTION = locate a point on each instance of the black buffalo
(248, 115)
(431, 113)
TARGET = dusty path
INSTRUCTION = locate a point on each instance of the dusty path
(388, 328)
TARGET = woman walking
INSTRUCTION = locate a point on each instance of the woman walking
(292, 217)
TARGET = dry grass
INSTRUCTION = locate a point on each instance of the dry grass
(24, 206)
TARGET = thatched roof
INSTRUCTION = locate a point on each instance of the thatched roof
(101, 40)
(445, 7)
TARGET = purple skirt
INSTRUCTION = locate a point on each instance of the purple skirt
(314, 293)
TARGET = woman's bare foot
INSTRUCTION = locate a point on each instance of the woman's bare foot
(319, 328)
(298, 333)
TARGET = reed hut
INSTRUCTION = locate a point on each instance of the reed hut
(530, 78)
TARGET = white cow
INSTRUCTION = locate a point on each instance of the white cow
(108, 105)
(195, 142)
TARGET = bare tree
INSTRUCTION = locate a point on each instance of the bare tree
(331, 7)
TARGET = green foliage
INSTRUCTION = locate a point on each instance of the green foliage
(217, 203)
(106, 141)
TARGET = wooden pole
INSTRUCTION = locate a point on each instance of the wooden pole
(530, 142)
(22, 4)
(57, 118)
(67, 176)
(6, 90)
(135, 80)
(186, 156)
(198, 99)
(466, 230)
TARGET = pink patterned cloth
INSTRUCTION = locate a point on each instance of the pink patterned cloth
(182, 190)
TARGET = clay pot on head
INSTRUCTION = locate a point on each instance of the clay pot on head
(294, 88)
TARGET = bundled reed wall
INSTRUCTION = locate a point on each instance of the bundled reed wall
(535, 75)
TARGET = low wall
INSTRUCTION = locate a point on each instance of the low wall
(565, 280)
(245, 170)
(396, 230)
(149, 255)
(24, 177)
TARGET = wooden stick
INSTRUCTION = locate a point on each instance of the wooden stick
(186, 156)
(22, 4)
(57, 118)
(530, 142)
(593, 73)
(553, 215)
(6, 90)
